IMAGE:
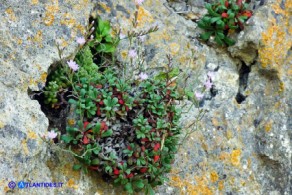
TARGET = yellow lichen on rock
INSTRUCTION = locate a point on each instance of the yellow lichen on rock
(105, 7)
(214, 176)
(275, 44)
(144, 17)
(268, 126)
(11, 14)
(34, 2)
(235, 157)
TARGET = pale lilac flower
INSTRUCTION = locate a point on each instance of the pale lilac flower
(52, 134)
(73, 65)
(199, 95)
(211, 75)
(132, 53)
(80, 40)
(122, 36)
(139, 2)
(208, 84)
(143, 76)
(142, 38)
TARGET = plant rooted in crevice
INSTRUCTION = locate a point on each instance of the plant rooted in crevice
(223, 19)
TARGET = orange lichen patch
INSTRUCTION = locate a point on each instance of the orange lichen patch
(275, 40)
(31, 135)
(68, 20)
(43, 77)
(71, 184)
(49, 19)
(214, 176)
(268, 126)
(71, 122)
(24, 146)
(51, 10)
(38, 38)
(81, 28)
(105, 7)
(124, 54)
(11, 14)
(144, 17)
(235, 157)
(281, 87)
(186, 187)
(19, 41)
(34, 2)
(221, 185)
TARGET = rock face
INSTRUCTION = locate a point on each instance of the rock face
(241, 146)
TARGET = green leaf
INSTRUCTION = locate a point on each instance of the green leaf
(107, 133)
(106, 47)
(202, 25)
(96, 129)
(206, 19)
(72, 101)
(95, 161)
(77, 167)
(67, 138)
(150, 190)
(115, 100)
(220, 24)
(104, 27)
(218, 40)
(96, 151)
(220, 35)
(128, 187)
(139, 184)
(206, 36)
(229, 41)
(215, 19)
(211, 11)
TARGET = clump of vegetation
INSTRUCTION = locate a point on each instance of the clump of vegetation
(224, 18)
(126, 129)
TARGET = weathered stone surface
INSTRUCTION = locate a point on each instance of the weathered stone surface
(28, 32)
(241, 146)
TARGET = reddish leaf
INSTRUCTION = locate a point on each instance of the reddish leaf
(143, 170)
(156, 158)
(93, 167)
(130, 175)
(157, 147)
(85, 140)
(85, 124)
(116, 172)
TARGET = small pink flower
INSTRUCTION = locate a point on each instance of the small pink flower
(199, 95)
(143, 76)
(139, 2)
(142, 38)
(80, 40)
(132, 53)
(52, 134)
(73, 65)
(208, 84)
(122, 36)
